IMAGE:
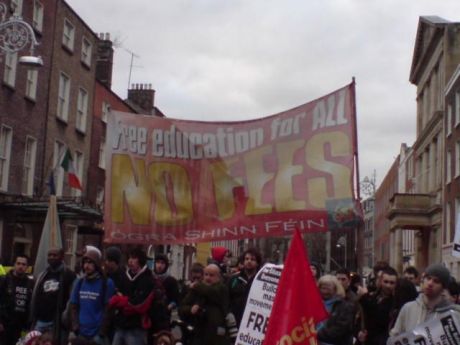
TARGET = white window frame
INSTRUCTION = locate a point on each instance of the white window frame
(6, 138)
(105, 111)
(448, 223)
(449, 166)
(30, 154)
(63, 97)
(449, 120)
(68, 34)
(457, 108)
(9, 73)
(37, 21)
(78, 165)
(82, 109)
(17, 6)
(457, 158)
(32, 83)
(86, 51)
(102, 146)
(58, 154)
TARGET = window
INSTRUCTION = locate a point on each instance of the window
(63, 97)
(102, 153)
(86, 50)
(58, 154)
(9, 75)
(16, 5)
(31, 83)
(449, 166)
(37, 21)
(28, 170)
(457, 107)
(100, 197)
(82, 109)
(456, 216)
(68, 35)
(6, 136)
(457, 159)
(447, 229)
(105, 111)
(449, 120)
(78, 171)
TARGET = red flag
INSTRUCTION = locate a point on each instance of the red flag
(298, 305)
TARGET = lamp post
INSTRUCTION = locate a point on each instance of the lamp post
(16, 35)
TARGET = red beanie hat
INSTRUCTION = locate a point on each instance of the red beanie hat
(218, 253)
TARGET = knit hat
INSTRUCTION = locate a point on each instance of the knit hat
(218, 253)
(93, 254)
(30, 337)
(113, 254)
(440, 272)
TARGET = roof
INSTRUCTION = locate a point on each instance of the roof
(430, 30)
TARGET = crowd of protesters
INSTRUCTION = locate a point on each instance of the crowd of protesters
(108, 301)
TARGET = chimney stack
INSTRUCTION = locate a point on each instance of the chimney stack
(104, 64)
(143, 96)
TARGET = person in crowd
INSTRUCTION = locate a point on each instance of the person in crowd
(131, 307)
(114, 269)
(164, 338)
(89, 298)
(338, 328)
(218, 256)
(315, 270)
(240, 284)
(376, 308)
(15, 294)
(430, 301)
(50, 295)
(170, 285)
(196, 275)
(344, 277)
(374, 279)
(405, 292)
(412, 275)
(207, 305)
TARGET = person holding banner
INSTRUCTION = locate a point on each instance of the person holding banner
(338, 328)
(240, 284)
(430, 302)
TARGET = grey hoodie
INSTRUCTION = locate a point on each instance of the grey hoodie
(416, 312)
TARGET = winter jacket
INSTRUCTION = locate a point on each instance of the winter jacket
(376, 310)
(131, 309)
(417, 312)
(338, 328)
(239, 286)
(209, 323)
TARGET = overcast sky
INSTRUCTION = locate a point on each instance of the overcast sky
(241, 59)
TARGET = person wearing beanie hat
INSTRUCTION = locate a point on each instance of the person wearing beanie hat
(432, 300)
(90, 297)
(114, 270)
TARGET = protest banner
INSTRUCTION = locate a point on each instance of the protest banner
(443, 329)
(177, 181)
(259, 306)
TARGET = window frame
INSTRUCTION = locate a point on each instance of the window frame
(38, 15)
(86, 53)
(31, 84)
(78, 161)
(68, 36)
(10, 69)
(5, 167)
(27, 187)
(82, 110)
(63, 105)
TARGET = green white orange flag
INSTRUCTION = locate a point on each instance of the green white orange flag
(298, 306)
(68, 165)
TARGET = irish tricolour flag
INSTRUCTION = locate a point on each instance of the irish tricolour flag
(67, 165)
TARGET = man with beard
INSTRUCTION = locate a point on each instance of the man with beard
(131, 307)
(15, 294)
(240, 284)
(90, 297)
(51, 293)
(376, 307)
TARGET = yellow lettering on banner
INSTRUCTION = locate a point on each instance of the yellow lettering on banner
(257, 178)
(284, 187)
(297, 334)
(178, 209)
(224, 184)
(130, 183)
(314, 153)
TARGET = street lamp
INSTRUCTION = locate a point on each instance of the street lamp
(15, 35)
(342, 242)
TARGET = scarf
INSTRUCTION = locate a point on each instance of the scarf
(128, 273)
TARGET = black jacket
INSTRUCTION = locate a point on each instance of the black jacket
(338, 329)
(239, 286)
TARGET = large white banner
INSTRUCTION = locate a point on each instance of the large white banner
(259, 305)
(444, 329)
